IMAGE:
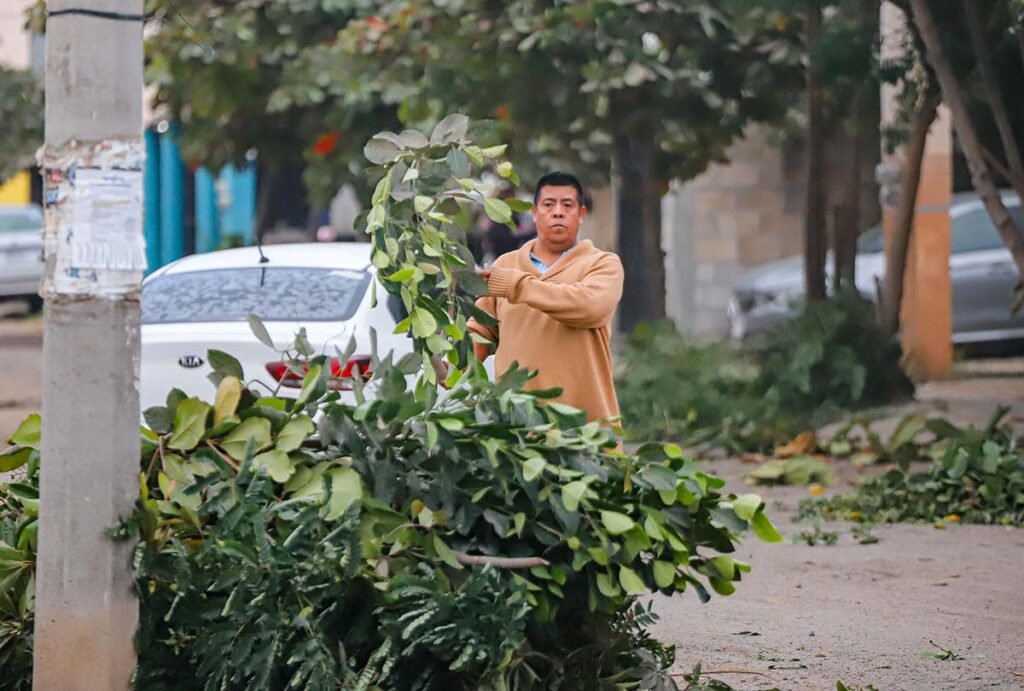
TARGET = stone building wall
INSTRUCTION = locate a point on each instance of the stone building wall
(728, 219)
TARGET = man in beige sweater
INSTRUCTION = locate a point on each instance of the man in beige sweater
(554, 299)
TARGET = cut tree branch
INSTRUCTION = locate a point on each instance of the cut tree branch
(500, 562)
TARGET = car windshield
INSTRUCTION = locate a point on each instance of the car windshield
(271, 293)
(972, 231)
(14, 221)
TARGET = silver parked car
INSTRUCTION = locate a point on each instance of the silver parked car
(21, 252)
(981, 270)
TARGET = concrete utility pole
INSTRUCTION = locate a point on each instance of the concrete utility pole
(92, 161)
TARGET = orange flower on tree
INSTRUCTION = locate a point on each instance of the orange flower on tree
(326, 143)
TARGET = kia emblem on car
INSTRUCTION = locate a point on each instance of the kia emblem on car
(191, 361)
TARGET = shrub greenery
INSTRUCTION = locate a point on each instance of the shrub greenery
(973, 476)
(478, 538)
(752, 397)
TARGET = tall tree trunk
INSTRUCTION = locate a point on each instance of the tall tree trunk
(864, 116)
(896, 255)
(814, 218)
(954, 98)
(994, 95)
(848, 221)
(267, 181)
(638, 201)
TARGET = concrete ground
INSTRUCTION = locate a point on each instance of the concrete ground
(809, 616)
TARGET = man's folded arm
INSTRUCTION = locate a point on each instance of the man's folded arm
(586, 304)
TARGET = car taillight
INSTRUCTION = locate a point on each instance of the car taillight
(340, 378)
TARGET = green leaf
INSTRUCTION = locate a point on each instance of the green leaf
(276, 464)
(607, 586)
(346, 488)
(15, 457)
(402, 274)
(423, 323)
(532, 468)
(422, 204)
(255, 429)
(381, 151)
(445, 553)
(159, 419)
(616, 523)
(497, 210)
(476, 155)
(229, 393)
(572, 493)
(746, 506)
(764, 529)
(309, 384)
(494, 151)
(28, 432)
(189, 424)
(724, 566)
(294, 433)
(631, 582)
(260, 331)
(519, 205)
(223, 363)
(450, 130)
(664, 573)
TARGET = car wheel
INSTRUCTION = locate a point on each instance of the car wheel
(35, 304)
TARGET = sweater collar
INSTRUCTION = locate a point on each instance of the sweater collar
(579, 250)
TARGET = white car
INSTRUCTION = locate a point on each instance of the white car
(203, 302)
(21, 253)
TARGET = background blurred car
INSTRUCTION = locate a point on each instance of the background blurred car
(203, 301)
(981, 269)
(21, 253)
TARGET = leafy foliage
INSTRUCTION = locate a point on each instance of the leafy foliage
(19, 512)
(975, 476)
(419, 248)
(831, 358)
(485, 538)
(217, 70)
(21, 112)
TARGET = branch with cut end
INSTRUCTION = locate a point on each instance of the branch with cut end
(500, 562)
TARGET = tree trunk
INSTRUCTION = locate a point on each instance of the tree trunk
(638, 202)
(267, 180)
(865, 114)
(973, 151)
(994, 96)
(896, 253)
(847, 223)
(814, 218)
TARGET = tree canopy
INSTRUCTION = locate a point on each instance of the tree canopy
(21, 112)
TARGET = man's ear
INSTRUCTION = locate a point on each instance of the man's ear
(583, 212)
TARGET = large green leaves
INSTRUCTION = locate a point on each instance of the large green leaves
(189, 424)
(253, 433)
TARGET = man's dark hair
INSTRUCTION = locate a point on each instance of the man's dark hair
(560, 179)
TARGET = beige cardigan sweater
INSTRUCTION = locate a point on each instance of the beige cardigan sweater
(558, 323)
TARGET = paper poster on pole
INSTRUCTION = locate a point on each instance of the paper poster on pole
(107, 212)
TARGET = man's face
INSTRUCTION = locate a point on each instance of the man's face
(557, 215)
